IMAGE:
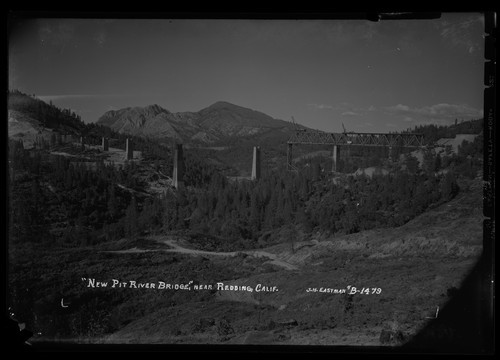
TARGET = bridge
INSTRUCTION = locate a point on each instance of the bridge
(308, 137)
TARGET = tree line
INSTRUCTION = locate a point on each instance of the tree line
(99, 203)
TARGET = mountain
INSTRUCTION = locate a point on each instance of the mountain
(218, 122)
(150, 121)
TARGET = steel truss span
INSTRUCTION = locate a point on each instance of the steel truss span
(304, 137)
(364, 139)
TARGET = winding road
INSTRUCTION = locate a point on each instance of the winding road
(175, 247)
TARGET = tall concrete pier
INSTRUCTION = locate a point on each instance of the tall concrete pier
(335, 157)
(129, 150)
(256, 163)
(82, 143)
(178, 174)
(105, 144)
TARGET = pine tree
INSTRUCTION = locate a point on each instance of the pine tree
(304, 187)
(448, 186)
(113, 208)
(411, 163)
(421, 199)
(302, 219)
(290, 234)
(316, 171)
(287, 211)
(270, 221)
(131, 223)
(53, 139)
(255, 212)
(429, 162)
(437, 162)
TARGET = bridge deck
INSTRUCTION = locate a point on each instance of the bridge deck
(365, 139)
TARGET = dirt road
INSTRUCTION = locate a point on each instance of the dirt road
(175, 247)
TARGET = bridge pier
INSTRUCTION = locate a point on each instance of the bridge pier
(256, 163)
(129, 150)
(178, 166)
(105, 144)
(335, 157)
(82, 143)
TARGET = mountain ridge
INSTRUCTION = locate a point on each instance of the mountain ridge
(219, 121)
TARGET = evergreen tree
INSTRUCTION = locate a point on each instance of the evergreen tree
(437, 162)
(255, 212)
(448, 186)
(53, 139)
(316, 171)
(131, 223)
(302, 219)
(290, 235)
(287, 211)
(411, 163)
(271, 212)
(113, 209)
(429, 161)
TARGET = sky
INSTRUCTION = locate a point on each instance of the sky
(384, 76)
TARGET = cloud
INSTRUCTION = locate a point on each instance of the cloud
(321, 106)
(63, 97)
(437, 113)
(344, 108)
(350, 113)
(450, 111)
(398, 107)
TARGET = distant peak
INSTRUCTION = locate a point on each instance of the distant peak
(225, 105)
(220, 104)
(155, 108)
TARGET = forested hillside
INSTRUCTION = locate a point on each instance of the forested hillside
(434, 132)
(48, 115)
(93, 206)
(72, 206)
(81, 203)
